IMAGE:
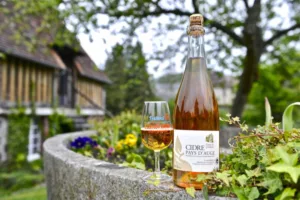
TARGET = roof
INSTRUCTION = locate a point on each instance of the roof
(87, 68)
(42, 52)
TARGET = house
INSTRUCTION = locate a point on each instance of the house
(52, 78)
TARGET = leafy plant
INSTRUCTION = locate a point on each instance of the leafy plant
(59, 123)
(17, 139)
(118, 141)
(265, 162)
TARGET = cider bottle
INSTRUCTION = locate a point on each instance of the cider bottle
(196, 115)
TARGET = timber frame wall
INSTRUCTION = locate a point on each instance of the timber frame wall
(23, 82)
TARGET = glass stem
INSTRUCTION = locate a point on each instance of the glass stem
(157, 167)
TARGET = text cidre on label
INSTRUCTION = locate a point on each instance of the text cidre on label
(196, 151)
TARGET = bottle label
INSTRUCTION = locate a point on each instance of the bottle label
(196, 151)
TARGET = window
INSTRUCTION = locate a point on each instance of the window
(34, 144)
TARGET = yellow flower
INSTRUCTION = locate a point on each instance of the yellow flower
(119, 145)
(130, 140)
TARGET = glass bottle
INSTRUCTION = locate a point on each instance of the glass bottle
(196, 115)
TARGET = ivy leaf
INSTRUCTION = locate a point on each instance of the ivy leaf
(254, 193)
(246, 193)
(203, 177)
(294, 172)
(290, 159)
(191, 191)
(242, 179)
(224, 176)
(256, 172)
(239, 192)
(205, 192)
(272, 182)
(287, 193)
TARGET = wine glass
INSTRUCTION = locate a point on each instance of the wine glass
(157, 133)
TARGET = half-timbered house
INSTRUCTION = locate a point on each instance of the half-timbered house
(52, 78)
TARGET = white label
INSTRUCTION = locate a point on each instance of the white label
(196, 151)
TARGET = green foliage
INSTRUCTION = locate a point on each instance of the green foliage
(265, 163)
(135, 161)
(191, 191)
(287, 119)
(280, 83)
(17, 138)
(59, 123)
(17, 180)
(119, 141)
(170, 78)
(131, 87)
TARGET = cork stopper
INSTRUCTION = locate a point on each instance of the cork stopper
(196, 25)
(196, 19)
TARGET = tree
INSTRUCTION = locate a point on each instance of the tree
(280, 83)
(235, 25)
(127, 68)
(115, 70)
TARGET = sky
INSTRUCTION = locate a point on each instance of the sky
(105, 39)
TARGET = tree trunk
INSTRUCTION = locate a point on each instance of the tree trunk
(245, 84)
(254, 43)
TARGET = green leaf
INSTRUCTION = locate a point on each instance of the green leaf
(254, 193)
(255, 172)
(242, 179)
(287, 118)
(268, 112)
(205, 192)
(134, 160)
(294, 172)
(203, 177)
(272, 182)
(224, 176)
(287, 193)
(290, 159)
(191, 191)
(239, 192)
(115, 135)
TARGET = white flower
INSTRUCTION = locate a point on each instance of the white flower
(236, 119)
(228, 115)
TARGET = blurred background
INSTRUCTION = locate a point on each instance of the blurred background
(65, 62)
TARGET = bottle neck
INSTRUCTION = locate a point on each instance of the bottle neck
(196, 46)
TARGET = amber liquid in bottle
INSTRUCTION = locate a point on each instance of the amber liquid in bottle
(196, 107)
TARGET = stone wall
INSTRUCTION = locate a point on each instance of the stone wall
(72, 176)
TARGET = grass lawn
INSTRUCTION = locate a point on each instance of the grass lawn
(35, 193)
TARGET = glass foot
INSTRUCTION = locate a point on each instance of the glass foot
(157, 178)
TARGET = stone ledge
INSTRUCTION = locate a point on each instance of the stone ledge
(73, 176)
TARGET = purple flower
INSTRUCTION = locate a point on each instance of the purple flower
(81, 142)
(110, 151)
